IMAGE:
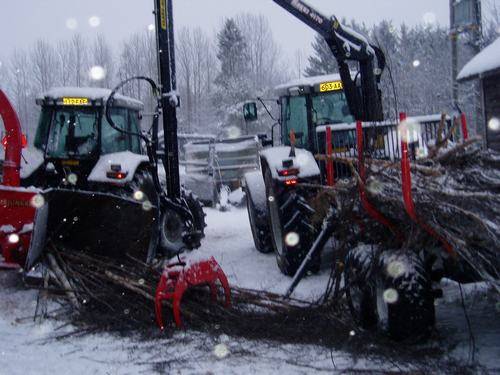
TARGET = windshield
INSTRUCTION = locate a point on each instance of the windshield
(331, 108)
(73, 132)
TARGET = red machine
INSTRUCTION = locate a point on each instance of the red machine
(17, 210)
(177, 278)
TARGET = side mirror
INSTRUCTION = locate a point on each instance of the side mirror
(250, 112)
(267, 142)
(264, 141)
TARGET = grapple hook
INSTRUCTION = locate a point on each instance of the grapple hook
(178, 277)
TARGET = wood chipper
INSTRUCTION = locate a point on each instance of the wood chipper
(16, 209)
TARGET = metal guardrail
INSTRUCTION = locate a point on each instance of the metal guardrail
(381, 140)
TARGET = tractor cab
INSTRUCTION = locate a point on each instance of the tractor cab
(73, 132)
(309, 105)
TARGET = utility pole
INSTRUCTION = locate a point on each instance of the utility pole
(454, 54)
(465, 17)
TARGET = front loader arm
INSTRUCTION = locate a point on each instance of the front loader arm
(347, 45)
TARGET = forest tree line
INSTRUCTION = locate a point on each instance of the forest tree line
(217, 73)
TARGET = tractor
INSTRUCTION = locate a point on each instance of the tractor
(94, 177)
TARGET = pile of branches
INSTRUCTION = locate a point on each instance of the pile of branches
(107, 295)
(456, 191)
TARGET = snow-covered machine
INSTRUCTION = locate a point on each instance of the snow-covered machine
(98, 189)
(329, 124)
(92, 180)
(215, 168)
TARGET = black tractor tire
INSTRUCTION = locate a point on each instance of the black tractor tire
(412, 315)
(173, 227)
(392, 294)
(359, 266)
(258, 214)
(289, 212)
(199, 224)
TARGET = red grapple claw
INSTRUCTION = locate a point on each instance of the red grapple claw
(177, 278)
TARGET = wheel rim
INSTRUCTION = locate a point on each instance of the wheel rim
(382, 306)
(172, 229)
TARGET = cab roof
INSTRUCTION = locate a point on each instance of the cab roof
(96, 96)
(309, 82)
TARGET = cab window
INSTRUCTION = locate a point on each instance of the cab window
(135, 128)
(113, 140)
(331, 108)
(72, 132)
(42, 131)
(295, 118)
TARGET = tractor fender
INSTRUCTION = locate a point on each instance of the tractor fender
(254, 186)
(255, 189)
(304, 160)
(128, 161)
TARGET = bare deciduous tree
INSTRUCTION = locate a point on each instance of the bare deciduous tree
(64, 53)
(263, 51)
(44, 66)
(102, 56)
(79, 60)
(196, 69)
(20, 89)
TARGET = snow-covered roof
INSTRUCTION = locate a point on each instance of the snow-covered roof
(91, 93)
(484, 62)
(308, 81)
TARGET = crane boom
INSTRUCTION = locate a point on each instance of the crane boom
(363, 96)
(364, 99)
(169, 100)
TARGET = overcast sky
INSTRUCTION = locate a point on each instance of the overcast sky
(23, 21)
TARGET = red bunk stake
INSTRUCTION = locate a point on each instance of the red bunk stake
(465, 130)
(405, 170)
(330, 173)
(369, 208)
(407, 193)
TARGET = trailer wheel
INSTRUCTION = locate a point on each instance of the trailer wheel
(359, 286)
(292, 231)
(257, 212)
(403, 295)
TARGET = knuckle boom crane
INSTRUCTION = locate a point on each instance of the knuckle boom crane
(363, 95)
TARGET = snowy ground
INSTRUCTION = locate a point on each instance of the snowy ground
(27, 347)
